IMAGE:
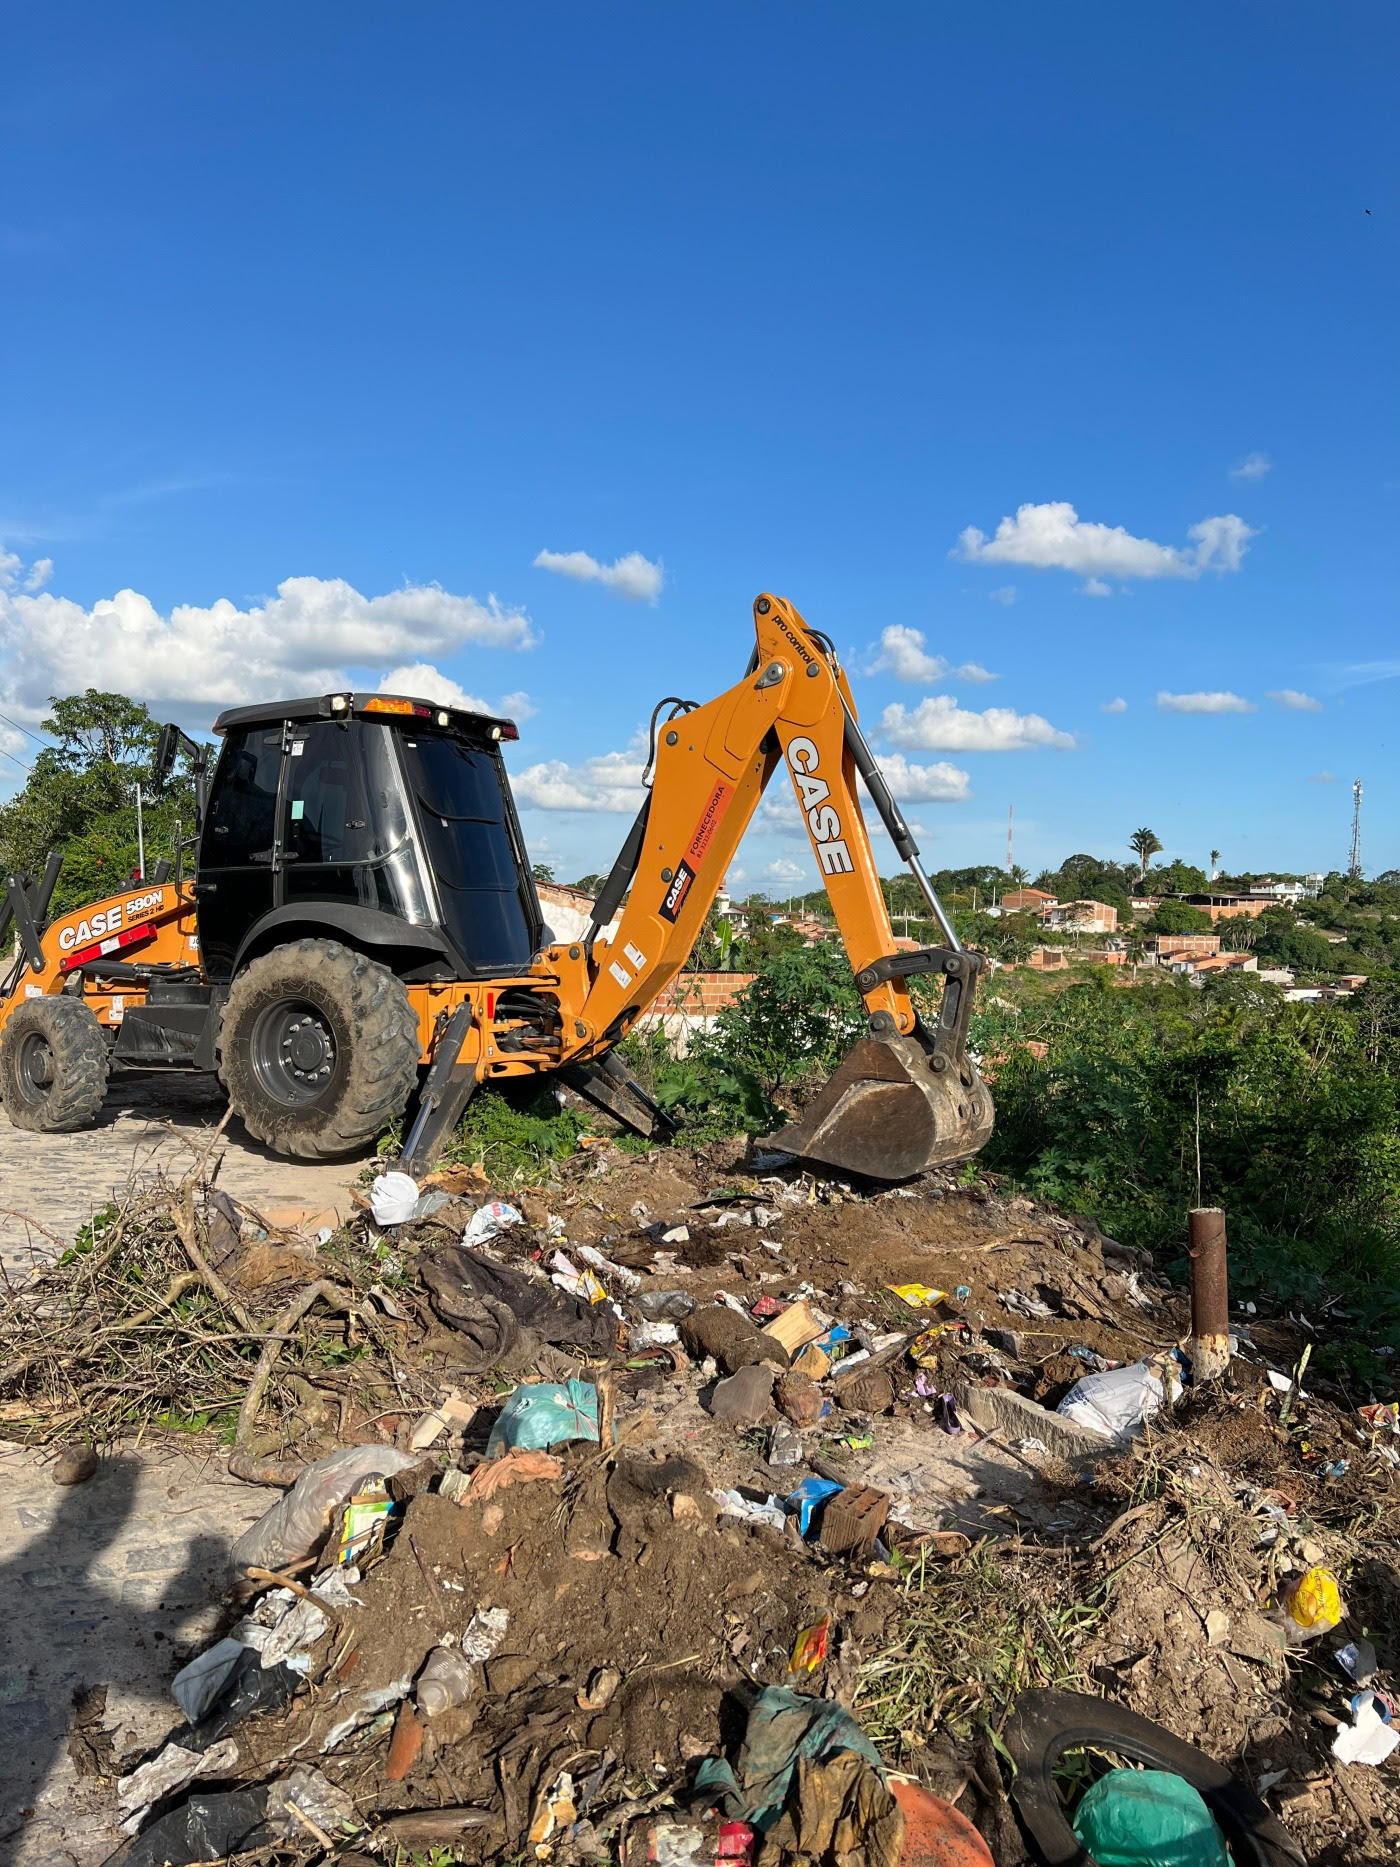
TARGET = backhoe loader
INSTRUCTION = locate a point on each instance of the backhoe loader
(361, 939)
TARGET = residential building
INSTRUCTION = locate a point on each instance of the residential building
(1017, 900)
(1084, 916)
(1352, 981)
(1188, 946)
(1290, 893)
(1228, 907)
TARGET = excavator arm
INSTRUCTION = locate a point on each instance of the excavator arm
(905, 1098)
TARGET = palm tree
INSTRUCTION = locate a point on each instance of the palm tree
(1214, 863)
(1146, 846)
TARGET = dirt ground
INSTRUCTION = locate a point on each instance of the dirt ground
(644, 1613)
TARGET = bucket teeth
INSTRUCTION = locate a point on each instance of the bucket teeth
(892, 1110)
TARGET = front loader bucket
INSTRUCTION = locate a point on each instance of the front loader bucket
(893, 1109)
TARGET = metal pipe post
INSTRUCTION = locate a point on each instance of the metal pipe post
(1210, 1293)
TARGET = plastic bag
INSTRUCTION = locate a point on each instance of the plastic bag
(1117, 1402)
(488, 1220)
(297, 1522)
(163, 1774)
(248, 1689)
(205, 1828)
(314, 1795)
(1148, 1818)
(545, 1414)
(392, 1198)
(197, 1686)
(1314, 1603)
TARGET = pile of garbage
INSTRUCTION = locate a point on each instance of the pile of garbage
(688, 1512)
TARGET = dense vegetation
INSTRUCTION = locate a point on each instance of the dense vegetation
(80, 799)
(1131, 1105)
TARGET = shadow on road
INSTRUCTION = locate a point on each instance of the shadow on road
(72, 1618)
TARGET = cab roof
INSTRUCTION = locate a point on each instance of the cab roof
(409, 708)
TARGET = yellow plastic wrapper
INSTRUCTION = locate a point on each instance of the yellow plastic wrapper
(1315, 1604)
(917, 1296)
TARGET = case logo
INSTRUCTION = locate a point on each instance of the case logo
(674, 899)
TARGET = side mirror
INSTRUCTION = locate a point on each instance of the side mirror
(167, 750)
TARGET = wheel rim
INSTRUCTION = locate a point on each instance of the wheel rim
(294, 1052)
(36, 1067)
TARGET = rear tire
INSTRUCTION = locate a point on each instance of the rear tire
(54, 1061)
(318, 1049)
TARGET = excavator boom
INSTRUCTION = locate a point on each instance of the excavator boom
(905, 1098)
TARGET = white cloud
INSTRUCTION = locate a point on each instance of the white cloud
(903, 655)
(1205, 703)
(420, 680)
(785, 871)
(612, 781)
(632, 576)
(1294, 701)
(312, 636)
(923, 784)
(1005, 594)
(939, 724)
(1252, 467)
(1322, 777)
(1119, 705)
(1095, 586)
(1052, 536)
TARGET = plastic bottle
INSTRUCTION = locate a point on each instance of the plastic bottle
(446, 1680)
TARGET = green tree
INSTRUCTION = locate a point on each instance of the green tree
(1146, 845)
(1179, 917)
(541, 872)
(1177, 878)
(793, 1024)
(80, 799)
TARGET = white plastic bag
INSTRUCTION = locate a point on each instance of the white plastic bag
(495, 1216)
(1115, 1402)
(392, 1198)
(297, 1522)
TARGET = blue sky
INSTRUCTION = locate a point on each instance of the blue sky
(388, 302)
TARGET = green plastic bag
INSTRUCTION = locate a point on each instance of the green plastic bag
(1148, 1818)
(540, 1414)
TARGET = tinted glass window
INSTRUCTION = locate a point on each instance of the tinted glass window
(342, 801)
(243, 811)
(467, 838)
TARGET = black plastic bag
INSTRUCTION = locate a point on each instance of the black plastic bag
(204, 1828)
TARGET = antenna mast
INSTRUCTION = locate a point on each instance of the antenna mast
(1354, 864)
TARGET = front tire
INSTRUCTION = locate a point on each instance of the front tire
(53, 1065)
(318, 1049)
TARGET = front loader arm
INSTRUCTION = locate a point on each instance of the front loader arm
(712, 766)
(904, 1099)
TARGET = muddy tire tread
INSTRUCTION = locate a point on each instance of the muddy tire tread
(384, 1052)
(82, 1057)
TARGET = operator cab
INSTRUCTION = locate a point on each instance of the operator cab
(383, 820)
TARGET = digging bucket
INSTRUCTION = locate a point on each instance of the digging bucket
(895, 1107)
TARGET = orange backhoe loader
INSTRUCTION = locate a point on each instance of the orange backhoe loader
(361, 936)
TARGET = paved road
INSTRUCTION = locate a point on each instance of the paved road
(50, 1184)
(108, 1583)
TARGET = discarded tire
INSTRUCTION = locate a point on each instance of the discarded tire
(318, 1049)
(53, 1065)
(1047, 1724)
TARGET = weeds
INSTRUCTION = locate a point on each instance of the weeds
(973, 1636)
